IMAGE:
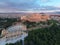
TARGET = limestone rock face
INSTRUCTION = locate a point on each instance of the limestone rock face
(4, 32)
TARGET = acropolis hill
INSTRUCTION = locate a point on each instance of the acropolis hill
(35, 17)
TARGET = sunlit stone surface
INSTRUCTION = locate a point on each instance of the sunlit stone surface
(13, 34)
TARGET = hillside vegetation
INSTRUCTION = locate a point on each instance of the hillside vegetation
(43, 36)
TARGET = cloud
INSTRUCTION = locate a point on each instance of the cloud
(23, 4)
(44, 0)
(18, 4)
(3, 4)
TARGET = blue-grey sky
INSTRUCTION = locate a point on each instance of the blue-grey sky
(28, 4)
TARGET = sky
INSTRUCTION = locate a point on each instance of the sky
(27, 4)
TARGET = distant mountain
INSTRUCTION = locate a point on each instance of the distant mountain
(54, 12)
(57, 12)
(41, 8)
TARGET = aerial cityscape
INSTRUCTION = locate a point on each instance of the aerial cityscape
(29, 22)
